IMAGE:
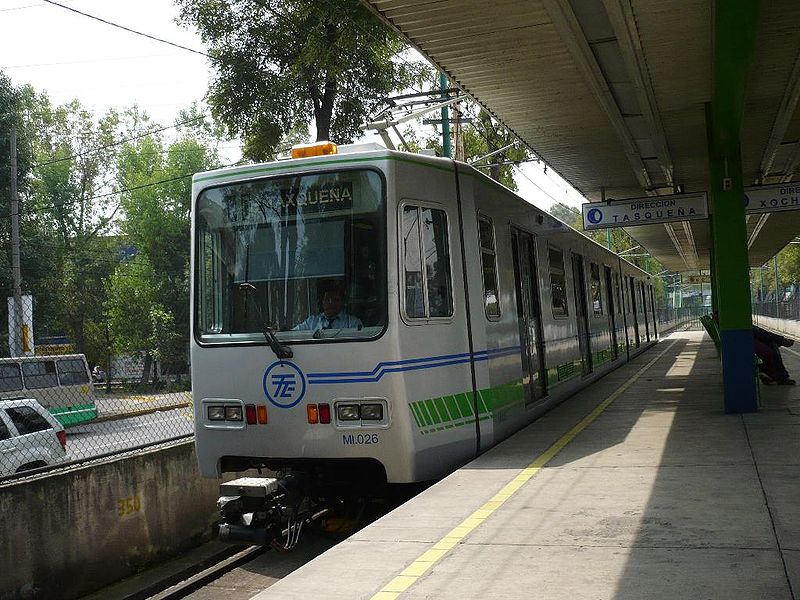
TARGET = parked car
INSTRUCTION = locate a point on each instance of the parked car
(30, 436)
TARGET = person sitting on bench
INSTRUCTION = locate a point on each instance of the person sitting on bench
(767, 346)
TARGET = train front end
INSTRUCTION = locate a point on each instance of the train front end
(289, 312)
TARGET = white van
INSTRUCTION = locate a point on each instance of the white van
(30, 436)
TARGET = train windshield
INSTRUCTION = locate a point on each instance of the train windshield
(304, 255)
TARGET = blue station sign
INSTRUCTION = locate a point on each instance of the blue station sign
(772, 198)
(644, 211)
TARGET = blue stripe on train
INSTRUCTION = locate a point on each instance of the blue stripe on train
(411, 364)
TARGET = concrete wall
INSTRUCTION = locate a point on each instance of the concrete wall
(68, 534)
(783, 326)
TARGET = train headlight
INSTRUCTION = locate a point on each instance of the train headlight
(348, 412)
(372, 412)
(233, 413)
(216, 413)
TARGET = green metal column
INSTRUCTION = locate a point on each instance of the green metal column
(446, 146)
(714, 294)
(734, 39)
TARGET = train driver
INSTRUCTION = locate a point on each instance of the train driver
(333, 315)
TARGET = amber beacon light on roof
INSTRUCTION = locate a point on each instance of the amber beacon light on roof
(315, 149)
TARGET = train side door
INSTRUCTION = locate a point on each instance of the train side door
(612, 311)
(634, 310)
(581, 313)
(528, 315)
(643, 296)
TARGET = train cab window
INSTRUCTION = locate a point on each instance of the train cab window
(284, 252)
(594, 289)
(491, 300)
(428, 289)
(558, 283)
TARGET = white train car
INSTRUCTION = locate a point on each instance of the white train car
(384, 316)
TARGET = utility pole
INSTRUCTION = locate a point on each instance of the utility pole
(446, 149)
(15, 269)
(777, 284)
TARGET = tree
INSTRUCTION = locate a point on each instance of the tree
(486, 136)
(570, 215)
(156, 203)
(71, 202)
(277, 64)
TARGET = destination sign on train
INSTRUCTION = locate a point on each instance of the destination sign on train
(258, 203)
(772, 198)
(644, 211)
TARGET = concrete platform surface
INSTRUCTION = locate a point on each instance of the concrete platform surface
(660, 496)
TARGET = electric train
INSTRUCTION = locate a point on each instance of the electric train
(464, 313)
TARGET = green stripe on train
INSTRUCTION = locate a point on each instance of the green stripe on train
(447, 412)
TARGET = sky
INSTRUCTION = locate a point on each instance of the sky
(71, 56)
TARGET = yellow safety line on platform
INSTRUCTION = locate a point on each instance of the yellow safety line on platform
(419, 567)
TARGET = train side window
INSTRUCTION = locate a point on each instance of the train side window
(558, 283)
(428, 290)
(491, 299)
(617, 294)
(210, 305)
(594, 289)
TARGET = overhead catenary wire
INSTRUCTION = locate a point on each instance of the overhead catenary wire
(128, 29)
(116, 192)
(122, 141)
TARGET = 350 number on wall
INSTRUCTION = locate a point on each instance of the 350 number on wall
(129, 505)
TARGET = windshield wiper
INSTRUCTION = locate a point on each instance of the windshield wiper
(279, 349)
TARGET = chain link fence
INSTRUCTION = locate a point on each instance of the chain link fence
(57, 408)
(781, 309)
(686, 317)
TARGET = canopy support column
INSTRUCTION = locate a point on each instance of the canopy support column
(734, 34)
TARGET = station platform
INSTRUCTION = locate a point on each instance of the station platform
(639, 487)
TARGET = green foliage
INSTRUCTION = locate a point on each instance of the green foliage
(156, 205)
(132, 295)
(164, 342)
(278, 64)
(789, 264)
(484, 136)
(568, 214)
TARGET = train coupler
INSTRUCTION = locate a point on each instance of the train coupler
(265, 510)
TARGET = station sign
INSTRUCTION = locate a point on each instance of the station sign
(644, 211)
(772, 198)
(696, 279)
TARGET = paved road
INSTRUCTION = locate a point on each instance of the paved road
(92, 439)
(131, 403)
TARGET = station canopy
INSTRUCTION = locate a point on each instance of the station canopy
(612, 95)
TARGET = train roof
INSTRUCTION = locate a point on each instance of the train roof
(366, 152)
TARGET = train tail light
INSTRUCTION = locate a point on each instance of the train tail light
(62, 438)
(325, 413)
(250, 413)
(262, 414)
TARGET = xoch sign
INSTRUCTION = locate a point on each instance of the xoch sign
(772, 198)
(644, 211)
